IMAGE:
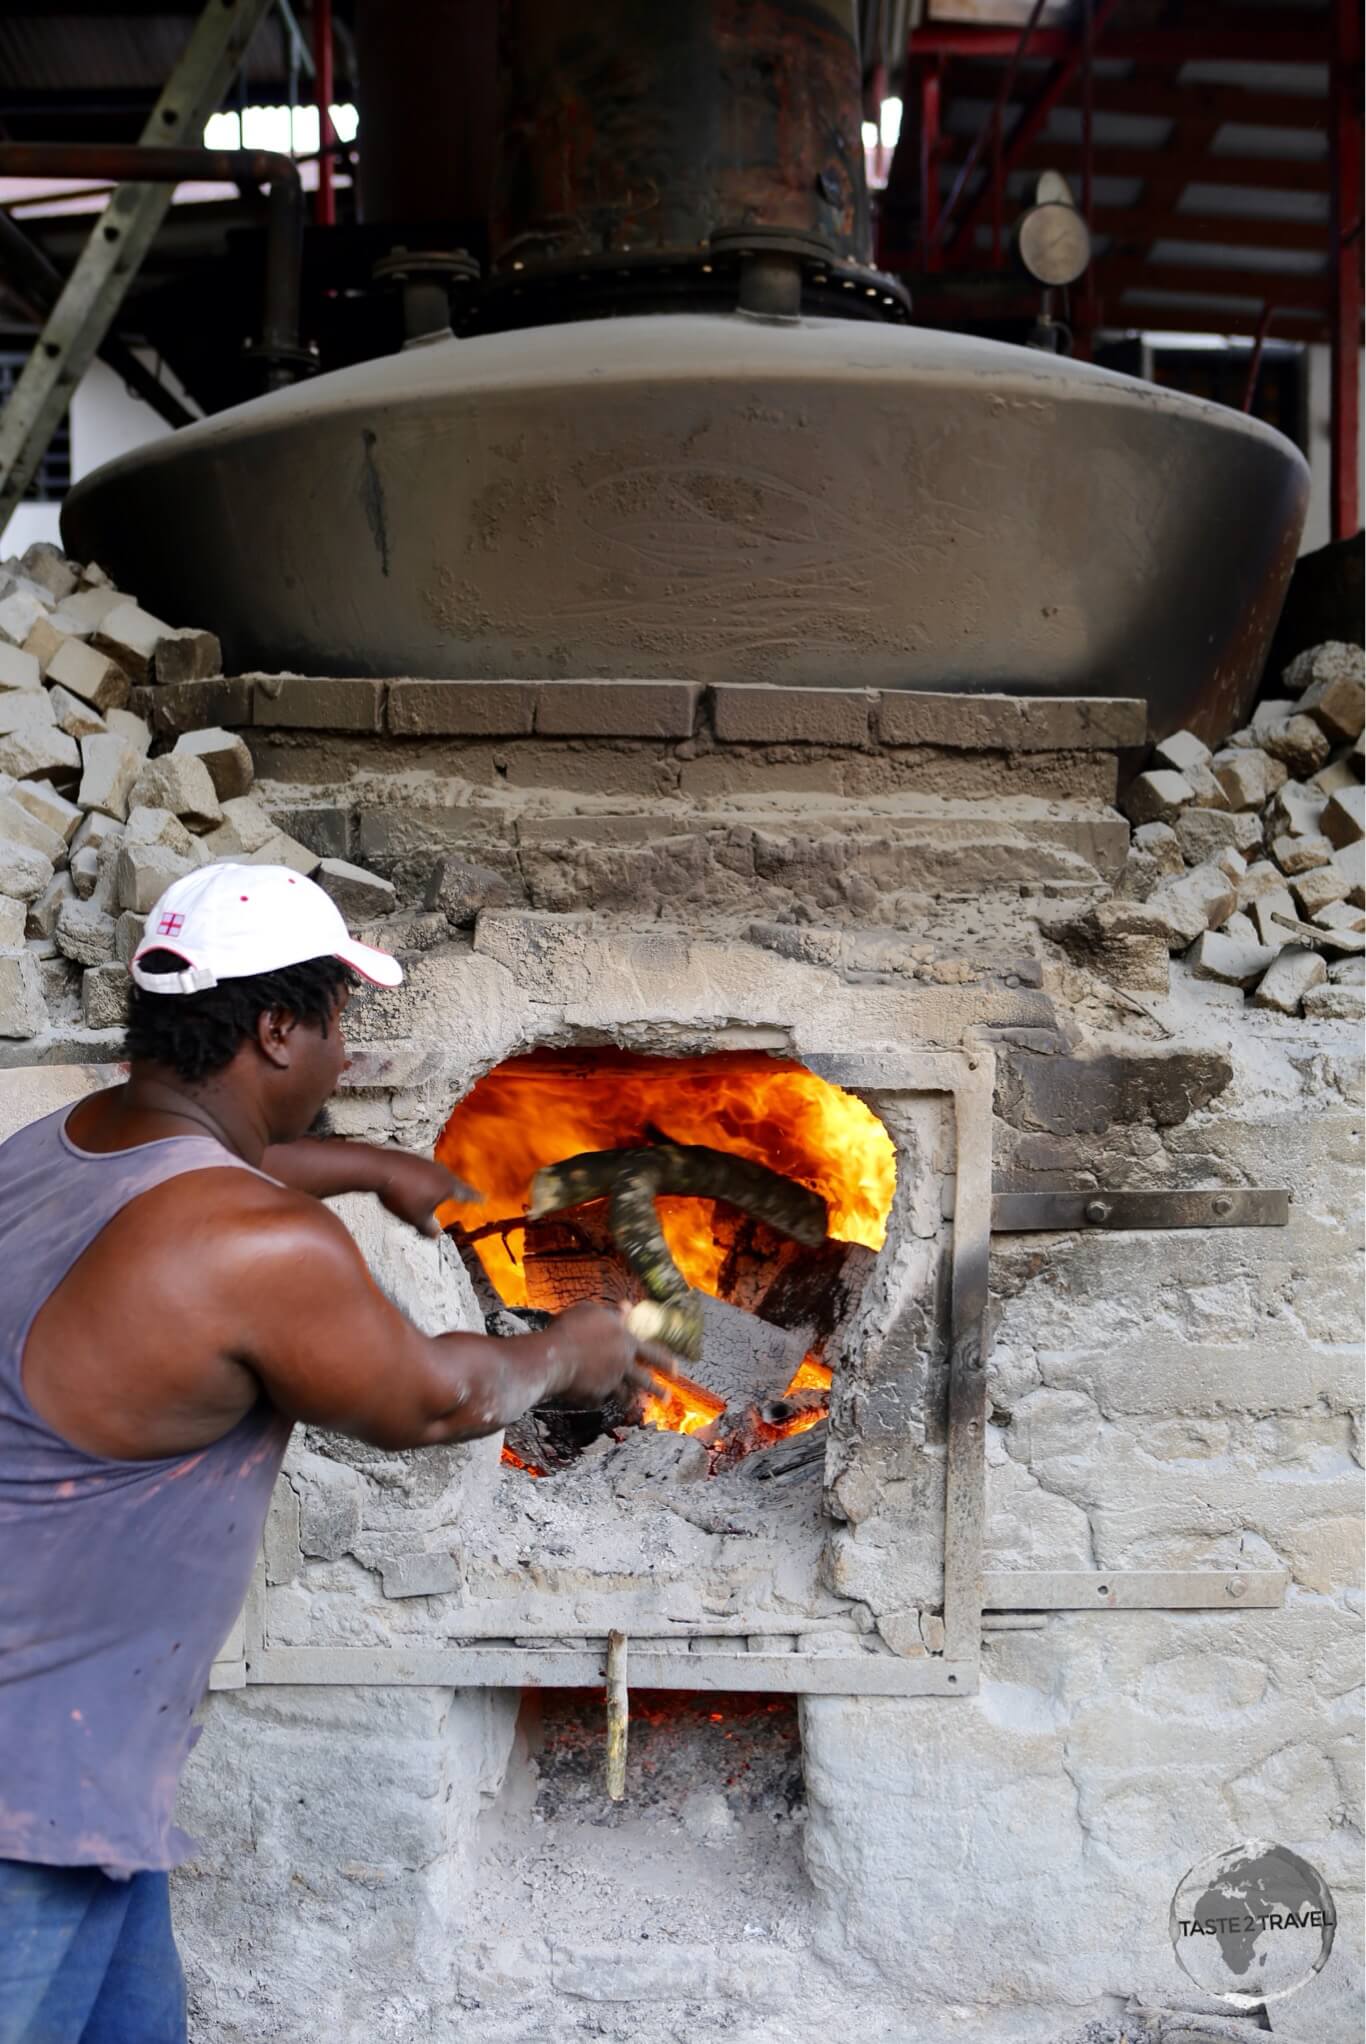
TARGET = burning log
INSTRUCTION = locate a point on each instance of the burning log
(815, 1294)
(564, 1261)
(789, 1457)
(764, 1424)
(767, 1421)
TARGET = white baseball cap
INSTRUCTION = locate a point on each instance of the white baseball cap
(227, 922)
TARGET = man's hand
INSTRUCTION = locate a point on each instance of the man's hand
(413, 1187)
(593, 1356)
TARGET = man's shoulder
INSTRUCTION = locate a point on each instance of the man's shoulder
(232, 1205)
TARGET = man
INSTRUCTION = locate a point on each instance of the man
(173, 1297)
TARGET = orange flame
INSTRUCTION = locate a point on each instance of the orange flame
(539, 1109)
(681, 1410)
(811, 1374)
(687, 1410)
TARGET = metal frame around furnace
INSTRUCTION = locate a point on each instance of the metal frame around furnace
(968, 1078)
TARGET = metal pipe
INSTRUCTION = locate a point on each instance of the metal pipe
(1088, 110)
(1345, 346)
(1088, 164)
(325, 199)
(1255, 361)
(130, 163)
(931, 94)
(991, 126)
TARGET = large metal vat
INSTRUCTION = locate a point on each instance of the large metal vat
(819, 502)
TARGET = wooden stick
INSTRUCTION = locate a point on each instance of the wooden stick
(688, 1170)
(677, 1326)
(618, 1716)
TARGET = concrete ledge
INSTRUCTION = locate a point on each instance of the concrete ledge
(1012, 723)
(617, 709)
(299, 702)
(194, 705)
(668, 712)
(462, 709)
(603, 830)
(756, 714)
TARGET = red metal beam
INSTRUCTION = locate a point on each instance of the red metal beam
(1136, 227)
(1292, 322)
(1202, 283)
(1169, 47)
(991, 129)
(972, 310)
(1217, 103)
(1345, 484)
(1032, 120)
(931, 142)
(1174, 169)
(1087, 321)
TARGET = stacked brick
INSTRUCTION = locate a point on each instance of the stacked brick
(1250, 860)
(93, 828)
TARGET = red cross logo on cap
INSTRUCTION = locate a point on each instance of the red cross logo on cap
(169, 924)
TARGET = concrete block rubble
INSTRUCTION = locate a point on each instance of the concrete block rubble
(1249, 860)
(93, 826)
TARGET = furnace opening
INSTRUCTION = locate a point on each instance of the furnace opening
(744, 1195)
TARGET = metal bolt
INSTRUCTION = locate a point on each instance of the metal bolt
(1222, 1205)
(1236, 1588)
(1097, 1211)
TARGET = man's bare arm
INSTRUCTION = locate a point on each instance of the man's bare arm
(409, 1185)
(329, 1348)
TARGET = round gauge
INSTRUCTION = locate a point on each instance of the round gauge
(1053, 243)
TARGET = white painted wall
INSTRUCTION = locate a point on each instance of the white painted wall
(1318, 528)
(106, 419)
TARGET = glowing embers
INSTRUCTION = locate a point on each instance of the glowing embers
(765, 1303)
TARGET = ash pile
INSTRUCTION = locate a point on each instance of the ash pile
(94, 823)
(592, 1230)
(1249, 861)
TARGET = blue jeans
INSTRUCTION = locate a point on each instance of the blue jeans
(87, 1960)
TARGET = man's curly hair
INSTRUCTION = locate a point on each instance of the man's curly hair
(195, 1035)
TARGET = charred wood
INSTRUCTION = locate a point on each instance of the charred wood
(788, 1458)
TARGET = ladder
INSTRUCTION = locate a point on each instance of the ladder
(104, 271)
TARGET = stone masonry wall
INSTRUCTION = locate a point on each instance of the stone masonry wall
(993, 1869)
(675, 869)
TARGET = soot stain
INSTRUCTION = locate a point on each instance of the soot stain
(372, 501)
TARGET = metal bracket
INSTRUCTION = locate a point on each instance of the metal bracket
(119, 242)
(1135, 1590)
(970, 1078)
(1045, 1213)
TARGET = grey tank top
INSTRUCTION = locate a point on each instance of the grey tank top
(119, 1581)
